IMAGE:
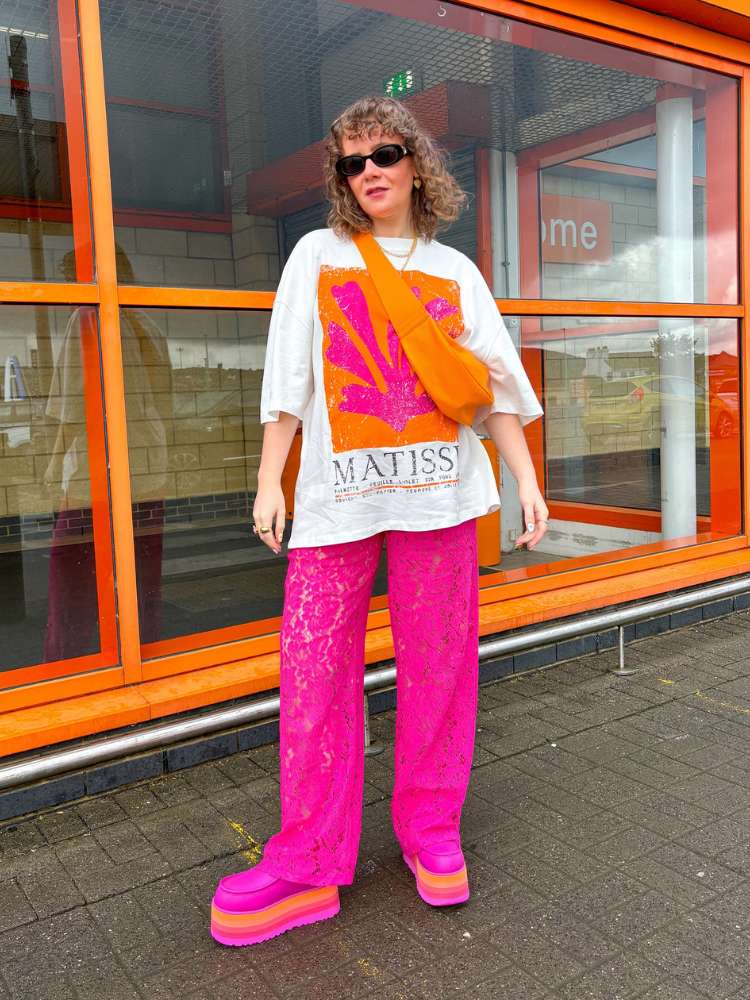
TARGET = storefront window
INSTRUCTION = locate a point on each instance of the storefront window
(192, 382)
(55, 545)
(44, 212)
(588, 166)
(593, 173)
(641, 436)
(639, 451)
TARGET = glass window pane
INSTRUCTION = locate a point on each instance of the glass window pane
(145, 184)
(192, 381)
(609, 228)
(640, 442)
(45, 230)
(54, 532)
(590, 168)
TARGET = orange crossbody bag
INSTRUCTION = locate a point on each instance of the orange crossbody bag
(456, 381)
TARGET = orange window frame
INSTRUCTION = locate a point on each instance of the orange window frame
(79, 214)
(531, 593)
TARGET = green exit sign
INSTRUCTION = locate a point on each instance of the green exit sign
(400, 83)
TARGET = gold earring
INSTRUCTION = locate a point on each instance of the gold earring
(417, 183)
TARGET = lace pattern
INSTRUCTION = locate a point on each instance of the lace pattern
(433, 588)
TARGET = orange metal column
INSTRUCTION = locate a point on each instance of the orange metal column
(745, 280)
(114, 385)
(722, 212)
(488, 526)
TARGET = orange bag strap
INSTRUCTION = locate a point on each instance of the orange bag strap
(404, 309)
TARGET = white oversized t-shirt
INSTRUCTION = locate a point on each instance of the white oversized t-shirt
(377, 454)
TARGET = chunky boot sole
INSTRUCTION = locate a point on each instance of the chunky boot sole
(306, 907)
(439, 889)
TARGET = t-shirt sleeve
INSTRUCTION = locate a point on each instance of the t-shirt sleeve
(288, 370)
(487, 337)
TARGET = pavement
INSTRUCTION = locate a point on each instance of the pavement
(607, 834)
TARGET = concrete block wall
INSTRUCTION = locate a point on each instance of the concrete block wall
(570, 397)
(247, 257)
(631, 275)
(33, 442)
(209, 412)
(33, 251)
(193, 429)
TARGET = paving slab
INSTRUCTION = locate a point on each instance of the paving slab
(606, 831)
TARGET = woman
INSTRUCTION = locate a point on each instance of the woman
(380, 464)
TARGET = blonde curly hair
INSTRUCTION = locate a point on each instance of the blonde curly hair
(438, 201)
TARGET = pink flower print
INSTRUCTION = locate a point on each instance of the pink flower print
(398, 402)
(439, 308)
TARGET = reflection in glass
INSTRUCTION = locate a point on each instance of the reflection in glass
(49, 511)
(611, 220)
(192, 380)
(562, 143)
(641, 431)
(43, 206)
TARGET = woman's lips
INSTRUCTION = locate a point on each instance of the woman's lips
(377, 192)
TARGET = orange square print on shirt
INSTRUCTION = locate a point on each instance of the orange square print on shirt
(374, 398)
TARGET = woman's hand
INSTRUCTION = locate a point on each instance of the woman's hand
(535, 514)
(509, 439)
(269, 511)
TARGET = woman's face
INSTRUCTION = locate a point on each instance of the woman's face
(382, 192)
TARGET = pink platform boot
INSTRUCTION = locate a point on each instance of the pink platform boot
(440, 870)
(253, 906)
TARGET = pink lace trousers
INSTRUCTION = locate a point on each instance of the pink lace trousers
(433, 592)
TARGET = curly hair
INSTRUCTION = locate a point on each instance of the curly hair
(438, 201)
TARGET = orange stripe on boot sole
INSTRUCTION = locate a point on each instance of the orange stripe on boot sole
(302, 900)
(274, 923)
(437, 881)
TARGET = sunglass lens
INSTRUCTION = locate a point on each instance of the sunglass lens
(386, 156)
(350, 166)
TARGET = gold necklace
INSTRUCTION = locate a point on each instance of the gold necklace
(407, 255)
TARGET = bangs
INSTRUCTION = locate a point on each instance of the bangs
(365, 128)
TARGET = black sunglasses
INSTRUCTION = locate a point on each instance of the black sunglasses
(384, 156)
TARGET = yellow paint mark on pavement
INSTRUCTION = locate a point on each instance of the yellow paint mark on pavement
(255, 849)
(368, 968)
(740, 709)
(666, 680)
